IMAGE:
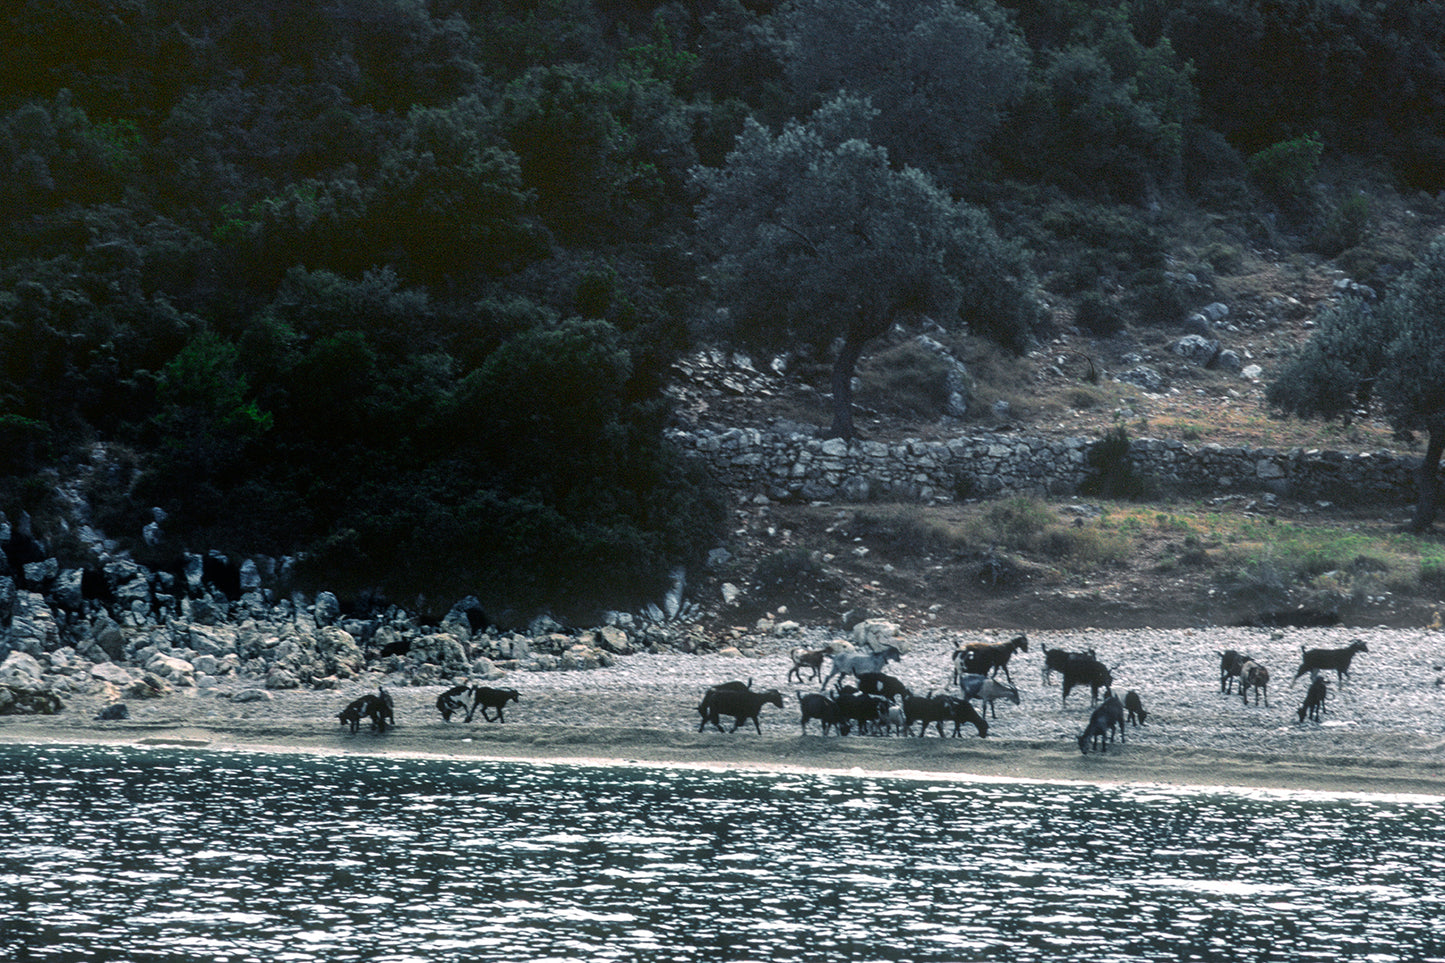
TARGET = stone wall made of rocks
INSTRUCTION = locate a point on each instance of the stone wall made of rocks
(796, 466)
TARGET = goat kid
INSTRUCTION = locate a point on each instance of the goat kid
(1314, 703)
(1134, 706)
(1314, 661)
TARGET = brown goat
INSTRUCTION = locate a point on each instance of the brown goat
(1253, 675)
(810, 660)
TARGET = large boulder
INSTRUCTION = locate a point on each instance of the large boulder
(21, 668)
(33, 627)
(174, 670)
(23, 700)
(441, 649)
(874, 635)
(338, 653)
(1198, 349)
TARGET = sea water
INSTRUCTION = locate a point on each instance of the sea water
(125, 854)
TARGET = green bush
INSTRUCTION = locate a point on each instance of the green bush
(1346, 226)
(1099, 315)
(1286, 171)
(1112, 470)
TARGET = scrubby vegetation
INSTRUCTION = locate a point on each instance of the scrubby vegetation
(395, 285)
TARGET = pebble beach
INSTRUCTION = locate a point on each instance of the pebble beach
(1384, 731)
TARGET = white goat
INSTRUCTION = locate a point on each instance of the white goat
(852, 663)
(987, 689)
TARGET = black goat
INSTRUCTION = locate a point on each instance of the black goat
(816, 705)
(1315, 660)
(935, 710)
(378, 708)
(1230, 662)
(1089, 671)
(1134, 706)
(488, 699)
(869, 712)
(1102, 722)
(742, 704)
(1056, 659)
(453, 700)
(987, 658)
(1314, 703)
(879, 684)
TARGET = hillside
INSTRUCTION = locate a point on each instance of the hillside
(1176, 562)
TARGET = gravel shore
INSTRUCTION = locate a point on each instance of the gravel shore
(1383, 732)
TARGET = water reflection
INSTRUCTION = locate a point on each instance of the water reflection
(159, 855)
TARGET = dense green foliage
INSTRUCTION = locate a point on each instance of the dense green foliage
(820, 239)
(395, 284)
(1392, 352)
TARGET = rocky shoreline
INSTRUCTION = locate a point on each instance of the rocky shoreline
(1384, 732)
(207, 655)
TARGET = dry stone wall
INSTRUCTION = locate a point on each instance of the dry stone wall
(797, 466)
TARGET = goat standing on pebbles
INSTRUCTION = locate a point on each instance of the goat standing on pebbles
(1102, 722)
(807, 660)
(1253, 675)
(1315, 660)
(855, 664)
(1314, 703)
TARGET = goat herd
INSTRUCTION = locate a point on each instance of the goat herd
(866, 699)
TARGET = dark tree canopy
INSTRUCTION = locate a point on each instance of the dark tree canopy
(818, 239)
(941, 74)
(1391, 353)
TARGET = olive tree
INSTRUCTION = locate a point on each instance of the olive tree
(817, 240)
(1391, 354)
(942, 73)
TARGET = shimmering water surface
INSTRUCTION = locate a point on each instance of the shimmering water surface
(112, 854)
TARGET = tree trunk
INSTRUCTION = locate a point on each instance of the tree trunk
(843, 367)
(1428, 480)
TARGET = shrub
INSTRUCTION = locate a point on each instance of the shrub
(1098, 315)
(1346, 226)
(906, 379)
(1113, 474)
(1287, 170)
(907, 530)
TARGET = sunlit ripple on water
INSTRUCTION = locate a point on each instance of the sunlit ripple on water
(156, 855)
